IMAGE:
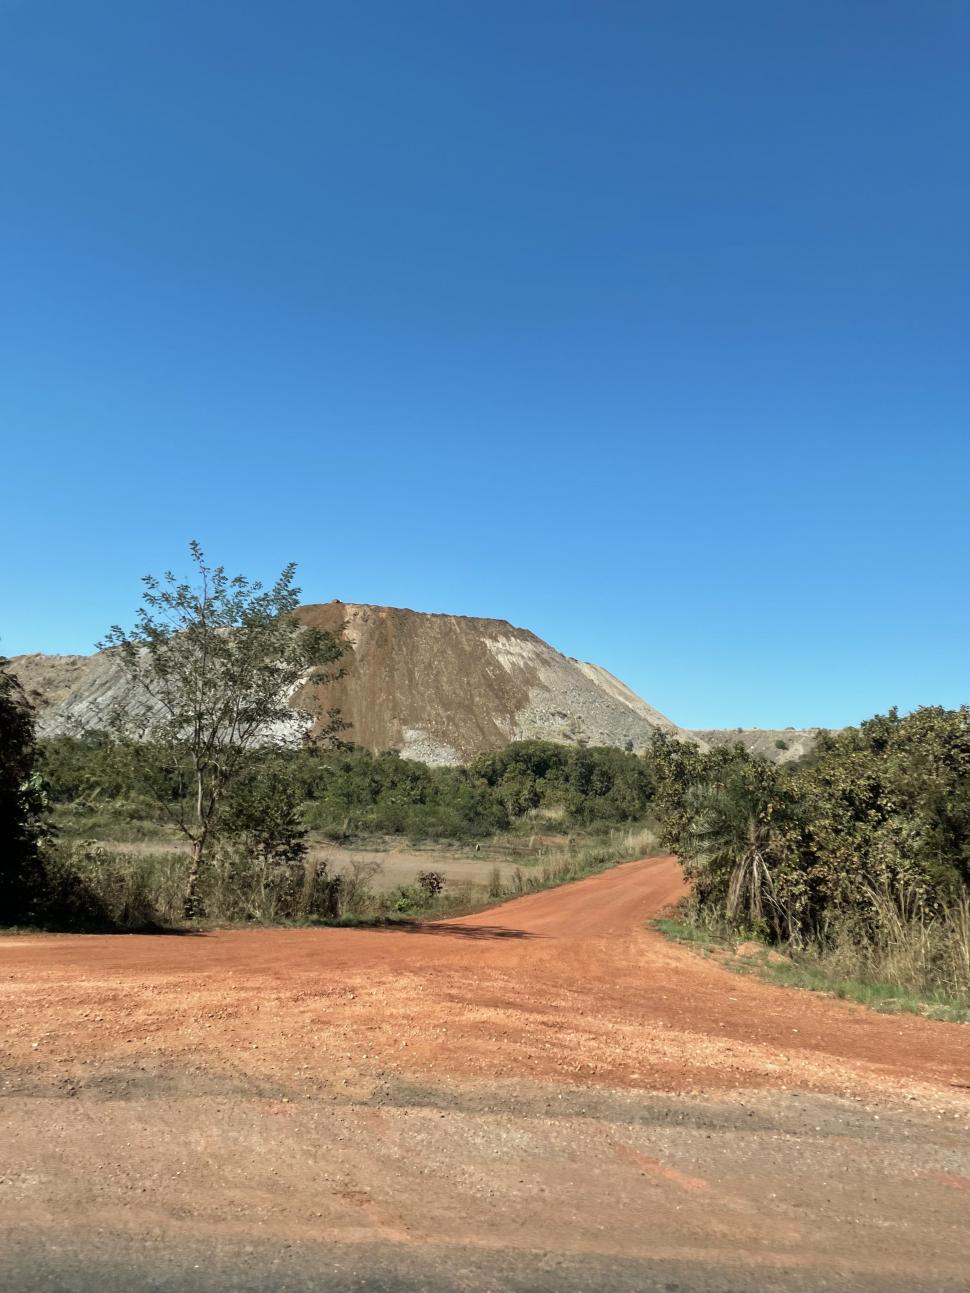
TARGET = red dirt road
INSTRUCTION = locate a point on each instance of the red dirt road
(567, 984)
(522, 1081)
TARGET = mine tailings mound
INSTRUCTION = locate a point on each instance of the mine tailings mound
(438, 688)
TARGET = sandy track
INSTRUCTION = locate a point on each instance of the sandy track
(525, 1081)
(564, 984)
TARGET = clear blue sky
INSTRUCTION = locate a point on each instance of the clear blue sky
(644, 325)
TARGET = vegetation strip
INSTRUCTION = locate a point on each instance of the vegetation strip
(811, 970)
(854, 863)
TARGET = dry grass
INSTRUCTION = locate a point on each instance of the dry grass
(905, 947)
(97, 886)
(904, 958)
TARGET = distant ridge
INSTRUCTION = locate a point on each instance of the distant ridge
(435, 687)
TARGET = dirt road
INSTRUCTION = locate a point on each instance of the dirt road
(544, 1096)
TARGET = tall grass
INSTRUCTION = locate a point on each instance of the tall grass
(89, 886)
(93, 886)
(904, 946)
(903, 957)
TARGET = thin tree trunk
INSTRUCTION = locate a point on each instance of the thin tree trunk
(190, 906)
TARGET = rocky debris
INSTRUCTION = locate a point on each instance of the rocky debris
(778, 745)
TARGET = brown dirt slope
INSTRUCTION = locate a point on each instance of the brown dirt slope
(440, 688)
(444, 688)
(49, 680)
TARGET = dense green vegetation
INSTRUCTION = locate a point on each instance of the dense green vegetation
(98, 789)
(20, 802)
(103, 796)
(857, 860)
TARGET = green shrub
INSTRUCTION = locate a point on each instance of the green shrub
(431, 882)
(21, 803)
(861, 854)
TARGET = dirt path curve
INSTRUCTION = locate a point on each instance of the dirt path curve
(568, 984)
(544, 1096)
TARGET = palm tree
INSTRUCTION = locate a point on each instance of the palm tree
(734, 840)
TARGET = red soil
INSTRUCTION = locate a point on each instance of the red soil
(565, 985)
(468, 1106)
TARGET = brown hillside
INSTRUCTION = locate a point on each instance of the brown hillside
(439, 688)
(444, 688)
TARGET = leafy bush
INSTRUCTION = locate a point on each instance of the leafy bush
(590, 784)
(867, 845)
(21, 802)
(262, 816)
(431, 882)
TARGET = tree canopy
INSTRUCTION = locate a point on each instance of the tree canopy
(211, 668)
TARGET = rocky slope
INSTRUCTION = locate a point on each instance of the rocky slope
(779, 745)
(443, 688)
(440, 688)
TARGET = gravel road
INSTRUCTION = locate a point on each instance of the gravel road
(545, 1096)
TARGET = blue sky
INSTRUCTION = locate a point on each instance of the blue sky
(643, 325)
